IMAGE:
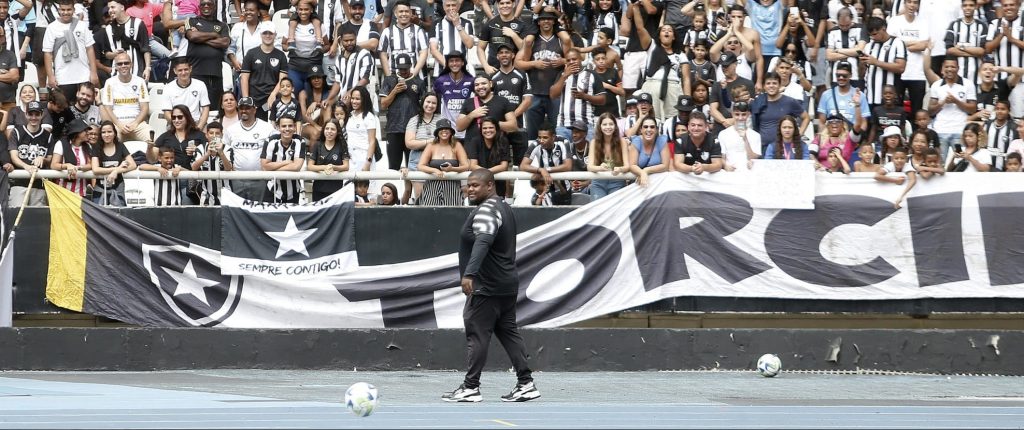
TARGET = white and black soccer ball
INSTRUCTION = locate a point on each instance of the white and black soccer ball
(769, 365)
(361, 399)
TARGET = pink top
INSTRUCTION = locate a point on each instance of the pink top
(146, 14)
(187, 7)
(845, 145)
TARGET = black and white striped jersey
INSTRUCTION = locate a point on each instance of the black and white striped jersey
(972, 35)
(875, 78)
(167, 192)
(838, 39)
(1007, 54)
(211, 187)
(276, 150)
(410, 40)
(358, 65)
(448, 39)
(577, 109)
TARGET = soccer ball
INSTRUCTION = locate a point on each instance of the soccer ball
(769, 365)
(361, 399)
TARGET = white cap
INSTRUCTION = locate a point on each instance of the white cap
(892, 130)
(266, 26)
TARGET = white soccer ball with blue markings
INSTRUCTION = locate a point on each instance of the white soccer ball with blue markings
(361, 399)
(769, 365)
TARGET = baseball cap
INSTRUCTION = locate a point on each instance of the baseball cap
(403, 61)
(741, 107)
(727, 58)
(844, 65)
(644, 98)
(34, 107)
(631, 101)
(504, 44)
(266, 26)
(580, 125)
(316, 71)
(546, 14)
(246, 102)
(357, 3)
(835, 116)
(684, 103)
(892, 130)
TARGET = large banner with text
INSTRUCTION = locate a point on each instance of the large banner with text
(955, 236)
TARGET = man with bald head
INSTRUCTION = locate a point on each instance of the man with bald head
(490, 281)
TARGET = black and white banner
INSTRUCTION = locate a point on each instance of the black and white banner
(287, 241)
(957, 236)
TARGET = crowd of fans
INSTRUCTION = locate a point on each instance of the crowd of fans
(905, 89)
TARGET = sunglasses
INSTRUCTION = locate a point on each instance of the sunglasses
(791, 50)
(177, 117)
(649, 126)
(732, 42)
(123, 63)
(842, 76)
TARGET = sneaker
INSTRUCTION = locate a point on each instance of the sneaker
(463, 395)
(522, 393)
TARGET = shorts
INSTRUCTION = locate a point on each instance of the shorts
(821, 70)
(37, 45)
(634, 64)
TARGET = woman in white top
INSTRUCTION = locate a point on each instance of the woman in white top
(970, 158)
(361, 128)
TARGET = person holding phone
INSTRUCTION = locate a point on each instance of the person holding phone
(969, 156)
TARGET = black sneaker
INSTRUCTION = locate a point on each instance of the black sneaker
(463, 395)
(522, 393)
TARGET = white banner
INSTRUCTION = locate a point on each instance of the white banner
(955, 236)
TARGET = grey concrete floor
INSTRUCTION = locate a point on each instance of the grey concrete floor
(312, 399)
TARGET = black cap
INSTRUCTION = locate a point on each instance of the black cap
(403, 61)
(34, 107)
(644, 98)
(76, 126)
(443, 124)
(316, 71)
(834, 116)
(727, 58)
(246, 102)
(844, 65)
(741, 107)
(684, 103)
(579, 125)
(455, 54)
(357, 2)
(505, 44)
(546, 14)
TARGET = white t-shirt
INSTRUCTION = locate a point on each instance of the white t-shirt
(247, 143)
(195, 96)
(910, 32)
(951, 119)
(733, 148)
(982, 155)
(358, 128)
(890, 167)
(124, 98)
(76, 69)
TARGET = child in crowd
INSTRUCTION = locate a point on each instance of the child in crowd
(1012, 163)
(286, 104)
(866, 163)
(540, 194)
(899, 164)
(185, 9)
(362, 197)
(702, 71)
(293, 22)
(166, 192)
(921, 122)
(891, 139)
(932, 164)
(839, 164)
(612, 59)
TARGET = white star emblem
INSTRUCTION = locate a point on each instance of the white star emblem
(190, 283)
(291, 239)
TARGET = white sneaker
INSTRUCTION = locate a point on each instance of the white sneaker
(463, 395)
(522, 393)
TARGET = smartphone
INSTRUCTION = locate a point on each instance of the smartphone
(958, 148)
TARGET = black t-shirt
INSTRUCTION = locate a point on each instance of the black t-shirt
(205, 59)
(8, 61)
(29, 146)
(181, 158)
(114, 160)
(497, 107)
(406, 104)
(323, 156)
(264, 71)
(487, 157)
(987, 99)
(494, 271)
(708, 151)
(883, 117)
(650, 23)
(491, 33)
(704, 72)
(611, 103)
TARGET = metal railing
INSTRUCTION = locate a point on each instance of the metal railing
(315, 176)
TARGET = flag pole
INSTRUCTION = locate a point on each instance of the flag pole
(24, 201)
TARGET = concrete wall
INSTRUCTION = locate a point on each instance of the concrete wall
(931, 351)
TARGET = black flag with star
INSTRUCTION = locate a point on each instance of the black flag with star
(285, 240)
